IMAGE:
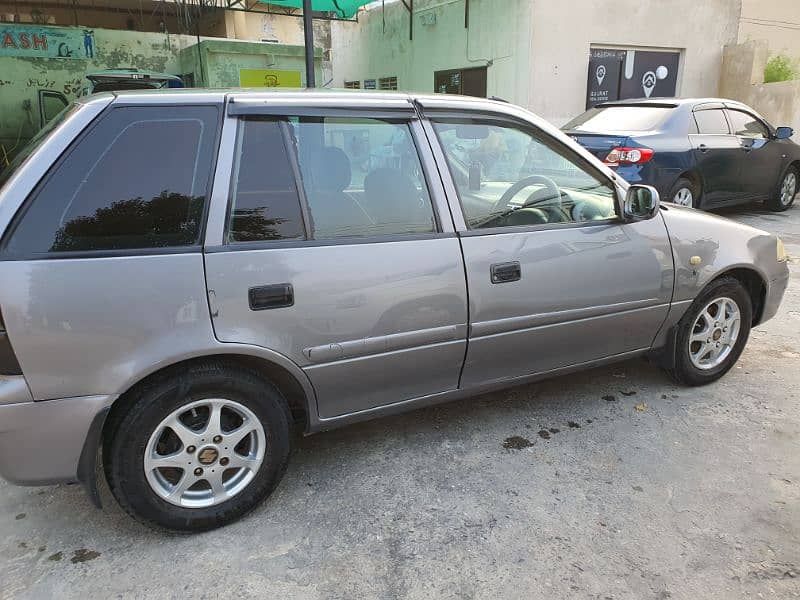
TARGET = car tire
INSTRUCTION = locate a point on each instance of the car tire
(786, 191)
(698, 359)
(195, 418)
(684, 193)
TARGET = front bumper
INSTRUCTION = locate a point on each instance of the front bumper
(775, 291)
(41, 442)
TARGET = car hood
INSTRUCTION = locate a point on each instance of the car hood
(704, 246)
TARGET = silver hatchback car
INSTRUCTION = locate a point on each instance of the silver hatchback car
(186, 275)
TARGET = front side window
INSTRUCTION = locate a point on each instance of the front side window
(746, 125)
(508, 176)
(136, 180)
(711, 122)
(362, 177)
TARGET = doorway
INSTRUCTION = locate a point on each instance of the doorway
(467, 82)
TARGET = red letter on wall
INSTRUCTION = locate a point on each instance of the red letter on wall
(24, 41)
(8, 41)
(39, 42)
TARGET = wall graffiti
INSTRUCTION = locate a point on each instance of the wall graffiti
(33, 41)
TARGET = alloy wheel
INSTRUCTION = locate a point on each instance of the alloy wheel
(684, 197)
(204, 453)
(714, 333)
(788, 188)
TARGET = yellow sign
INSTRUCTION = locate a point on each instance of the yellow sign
(249, 78)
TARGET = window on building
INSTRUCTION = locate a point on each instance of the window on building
(509, 176)
(468, 82)
(362, 177)
(387, 83)
(265, 204)
(139, 179)
(711, 122)
(352, 85)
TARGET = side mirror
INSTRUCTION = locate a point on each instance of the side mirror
(783, 133)
(641, 203)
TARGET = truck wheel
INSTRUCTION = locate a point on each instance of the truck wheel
(712, 333)
(199, 448)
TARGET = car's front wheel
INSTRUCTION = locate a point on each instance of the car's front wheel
(712, 334)
(685, 193)
(198, 448)
(783, 198)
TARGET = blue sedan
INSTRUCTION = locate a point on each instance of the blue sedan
(703, 153)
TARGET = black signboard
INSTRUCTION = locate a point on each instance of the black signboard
(654, 75)
(603, 83)
(623, 74)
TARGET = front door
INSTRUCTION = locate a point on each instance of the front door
(555, 279)
(718, 156)
(333, 255)
(761, 158)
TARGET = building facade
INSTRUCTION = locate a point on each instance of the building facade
(555, 58)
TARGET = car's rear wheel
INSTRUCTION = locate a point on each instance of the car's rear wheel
(784, 196)
(712, 334)
(199, 448)
(685, 193)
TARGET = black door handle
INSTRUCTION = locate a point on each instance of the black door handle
(505, 272)
(703, 148)
(265, 297)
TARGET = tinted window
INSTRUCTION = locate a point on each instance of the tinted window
(747, 125)
(711, 121)
(508, 176)
(136, 180)
(361, 177)
(265, 203)
(620, 118)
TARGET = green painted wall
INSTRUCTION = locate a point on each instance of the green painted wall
(222, 60)
(21, 78)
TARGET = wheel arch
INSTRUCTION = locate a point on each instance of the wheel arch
(753, 282)
(287, 377)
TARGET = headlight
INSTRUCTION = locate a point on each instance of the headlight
(782, 256)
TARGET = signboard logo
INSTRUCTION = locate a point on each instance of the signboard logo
(600, 74)
(648, 83)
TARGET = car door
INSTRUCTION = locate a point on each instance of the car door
(762, 160)
(560, 282)
(718, 155)
(330, 252)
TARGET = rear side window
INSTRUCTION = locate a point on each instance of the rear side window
(711, 122)
(358, 177)
(137, 180)
(265, 204)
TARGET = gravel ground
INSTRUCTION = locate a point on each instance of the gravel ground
(613, 483)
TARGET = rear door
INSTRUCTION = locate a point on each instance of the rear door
(334, 248)
(557, 283)
(761, 159)
(718, 155)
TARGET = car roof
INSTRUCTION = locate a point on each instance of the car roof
(668, 102)
(299, 95)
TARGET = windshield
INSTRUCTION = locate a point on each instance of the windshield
(35, 142)
(620, 118)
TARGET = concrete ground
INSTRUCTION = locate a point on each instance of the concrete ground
(613, 483)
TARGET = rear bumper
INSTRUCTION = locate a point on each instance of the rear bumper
(41, 442)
